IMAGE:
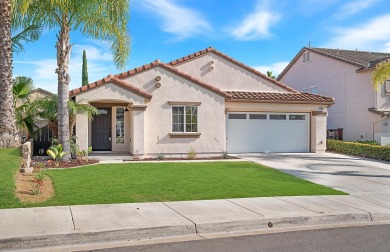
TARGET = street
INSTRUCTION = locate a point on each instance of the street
(365, 238)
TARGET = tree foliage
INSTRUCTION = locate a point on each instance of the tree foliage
(84, 70)
(380, 74)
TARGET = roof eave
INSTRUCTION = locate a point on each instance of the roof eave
(281, 101)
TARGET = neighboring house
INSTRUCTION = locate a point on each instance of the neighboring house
(36, 94)
(206, 102)
(360, 112)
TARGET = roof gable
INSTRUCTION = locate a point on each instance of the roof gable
(111, 79)
(360, 59)
(230, 59)
(116, 79)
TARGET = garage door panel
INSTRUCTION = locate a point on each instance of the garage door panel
(259, 135)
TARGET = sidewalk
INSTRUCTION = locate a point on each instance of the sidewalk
(25, 228)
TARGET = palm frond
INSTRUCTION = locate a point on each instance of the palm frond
(380, 74)
(30, 34)
(22, 88)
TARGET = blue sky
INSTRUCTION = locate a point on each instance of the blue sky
(264, 34)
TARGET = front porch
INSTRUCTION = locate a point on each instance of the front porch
(116, 133)
(111, 156)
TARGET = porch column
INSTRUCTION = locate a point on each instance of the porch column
(318, 131)
(82, 125)
(138, 136)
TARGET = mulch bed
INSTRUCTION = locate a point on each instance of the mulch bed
(72, 163)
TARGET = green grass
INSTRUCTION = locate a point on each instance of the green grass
(9, 163)
(145, 182)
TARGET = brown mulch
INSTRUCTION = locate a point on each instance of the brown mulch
(24, 188)
(72, 163)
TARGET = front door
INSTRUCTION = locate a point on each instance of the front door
(101, 130)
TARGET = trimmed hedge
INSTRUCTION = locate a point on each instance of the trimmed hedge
(359, 149)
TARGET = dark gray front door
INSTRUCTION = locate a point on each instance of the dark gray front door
(101, 130)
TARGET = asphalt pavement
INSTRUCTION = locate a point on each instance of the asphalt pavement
(354, 239)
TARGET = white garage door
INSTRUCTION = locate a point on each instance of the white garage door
(267, 132)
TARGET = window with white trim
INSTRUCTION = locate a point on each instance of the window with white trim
(120, 126)
(306, 57)
(387, 87)
(184, 119)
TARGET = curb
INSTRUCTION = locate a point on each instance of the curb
(78, 238)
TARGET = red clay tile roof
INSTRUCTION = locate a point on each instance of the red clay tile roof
(248, 68)
(110, 79)
(361, 59)
(137, 70)
(279, 97)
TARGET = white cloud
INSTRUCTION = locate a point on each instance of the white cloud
(371, 35)
(42, 71)
(387, 47)
(183, 22)
(276, 68)
(354, 7)
(257, 24)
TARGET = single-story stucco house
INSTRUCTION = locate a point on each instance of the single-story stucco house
(205, 102)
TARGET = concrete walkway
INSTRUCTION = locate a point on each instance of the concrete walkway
(69, 225)
(367, 181)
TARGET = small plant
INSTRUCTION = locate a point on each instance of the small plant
(56, 153)
(160, 156)
(225, 154)
(38, 181)
(191, 154)
(85, 152)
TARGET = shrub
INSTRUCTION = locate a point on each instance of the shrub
(160, 156)
(359, 149)
(368, 142)
(191, 154)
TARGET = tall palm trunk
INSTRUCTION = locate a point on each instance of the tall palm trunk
(8, 130)
(63, 56)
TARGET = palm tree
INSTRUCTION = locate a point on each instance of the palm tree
(25, 112)
(381, 73)
(100, 19)
(8, 130)
(48, 110)
(10, 19)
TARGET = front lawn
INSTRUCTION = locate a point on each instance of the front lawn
(143, 182)
(10, 160)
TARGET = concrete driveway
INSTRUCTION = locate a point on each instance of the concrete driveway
(356, 176)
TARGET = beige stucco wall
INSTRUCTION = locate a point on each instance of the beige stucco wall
(352, 91)
(109, 93)
(158, 114)
(317, 123)
(226, 75)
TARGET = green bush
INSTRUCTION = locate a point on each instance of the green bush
(359, 149)
(368, 142)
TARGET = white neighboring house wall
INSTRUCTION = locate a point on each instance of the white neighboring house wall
(353, 93)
